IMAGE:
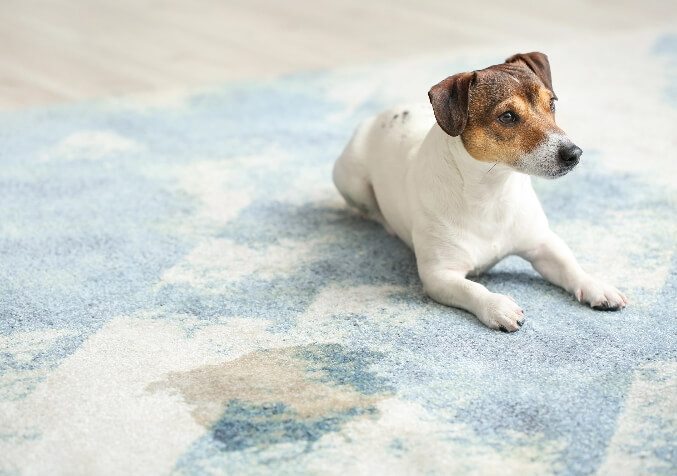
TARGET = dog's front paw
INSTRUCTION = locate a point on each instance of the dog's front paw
(600, 296)
(500, 312)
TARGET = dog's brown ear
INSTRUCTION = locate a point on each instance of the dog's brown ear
(538, 63)
(449, 99)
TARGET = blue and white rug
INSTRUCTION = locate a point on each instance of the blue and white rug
(182, 290)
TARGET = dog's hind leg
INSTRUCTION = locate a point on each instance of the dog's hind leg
(351, 177)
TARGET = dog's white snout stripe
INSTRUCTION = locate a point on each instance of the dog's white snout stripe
(543, 160)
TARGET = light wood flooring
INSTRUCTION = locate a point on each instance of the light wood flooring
(63, 50)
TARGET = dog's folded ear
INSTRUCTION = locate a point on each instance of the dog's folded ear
(449, 99)
(536, 62)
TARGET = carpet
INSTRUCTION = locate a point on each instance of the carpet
(183, 291)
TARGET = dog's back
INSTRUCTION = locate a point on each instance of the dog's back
(371, 171)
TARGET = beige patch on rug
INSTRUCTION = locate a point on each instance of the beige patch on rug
(264, 377)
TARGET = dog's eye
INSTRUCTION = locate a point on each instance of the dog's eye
(552, 105)
(508, 118)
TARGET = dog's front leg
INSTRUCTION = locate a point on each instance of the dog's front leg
(450, 287)
(555, 261)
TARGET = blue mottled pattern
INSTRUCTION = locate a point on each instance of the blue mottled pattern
(182, 291)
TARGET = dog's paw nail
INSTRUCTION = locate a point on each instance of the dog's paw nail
(606, 306)
(502, 329)
(519, 323)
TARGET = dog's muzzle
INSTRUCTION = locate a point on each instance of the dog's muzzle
(554, 157)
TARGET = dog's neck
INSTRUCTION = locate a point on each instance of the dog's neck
(481, 181)
(473, 171)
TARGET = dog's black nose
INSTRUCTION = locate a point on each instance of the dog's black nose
(570, 154)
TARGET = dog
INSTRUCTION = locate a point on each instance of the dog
(453, 182)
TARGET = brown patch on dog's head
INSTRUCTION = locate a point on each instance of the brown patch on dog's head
(503, 113)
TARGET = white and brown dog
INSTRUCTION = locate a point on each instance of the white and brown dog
(455, 187)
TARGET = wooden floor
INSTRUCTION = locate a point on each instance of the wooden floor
(63, 50)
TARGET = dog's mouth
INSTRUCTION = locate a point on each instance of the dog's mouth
(548, 168)
(564, 170)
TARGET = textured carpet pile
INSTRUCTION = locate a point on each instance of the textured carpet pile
(182, 290)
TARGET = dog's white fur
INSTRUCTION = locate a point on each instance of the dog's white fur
(458, 214)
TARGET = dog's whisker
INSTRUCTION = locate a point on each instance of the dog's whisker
(487, 172)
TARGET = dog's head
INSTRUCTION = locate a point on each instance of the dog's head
(506, 113)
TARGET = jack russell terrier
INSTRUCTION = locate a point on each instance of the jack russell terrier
(456, 187)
